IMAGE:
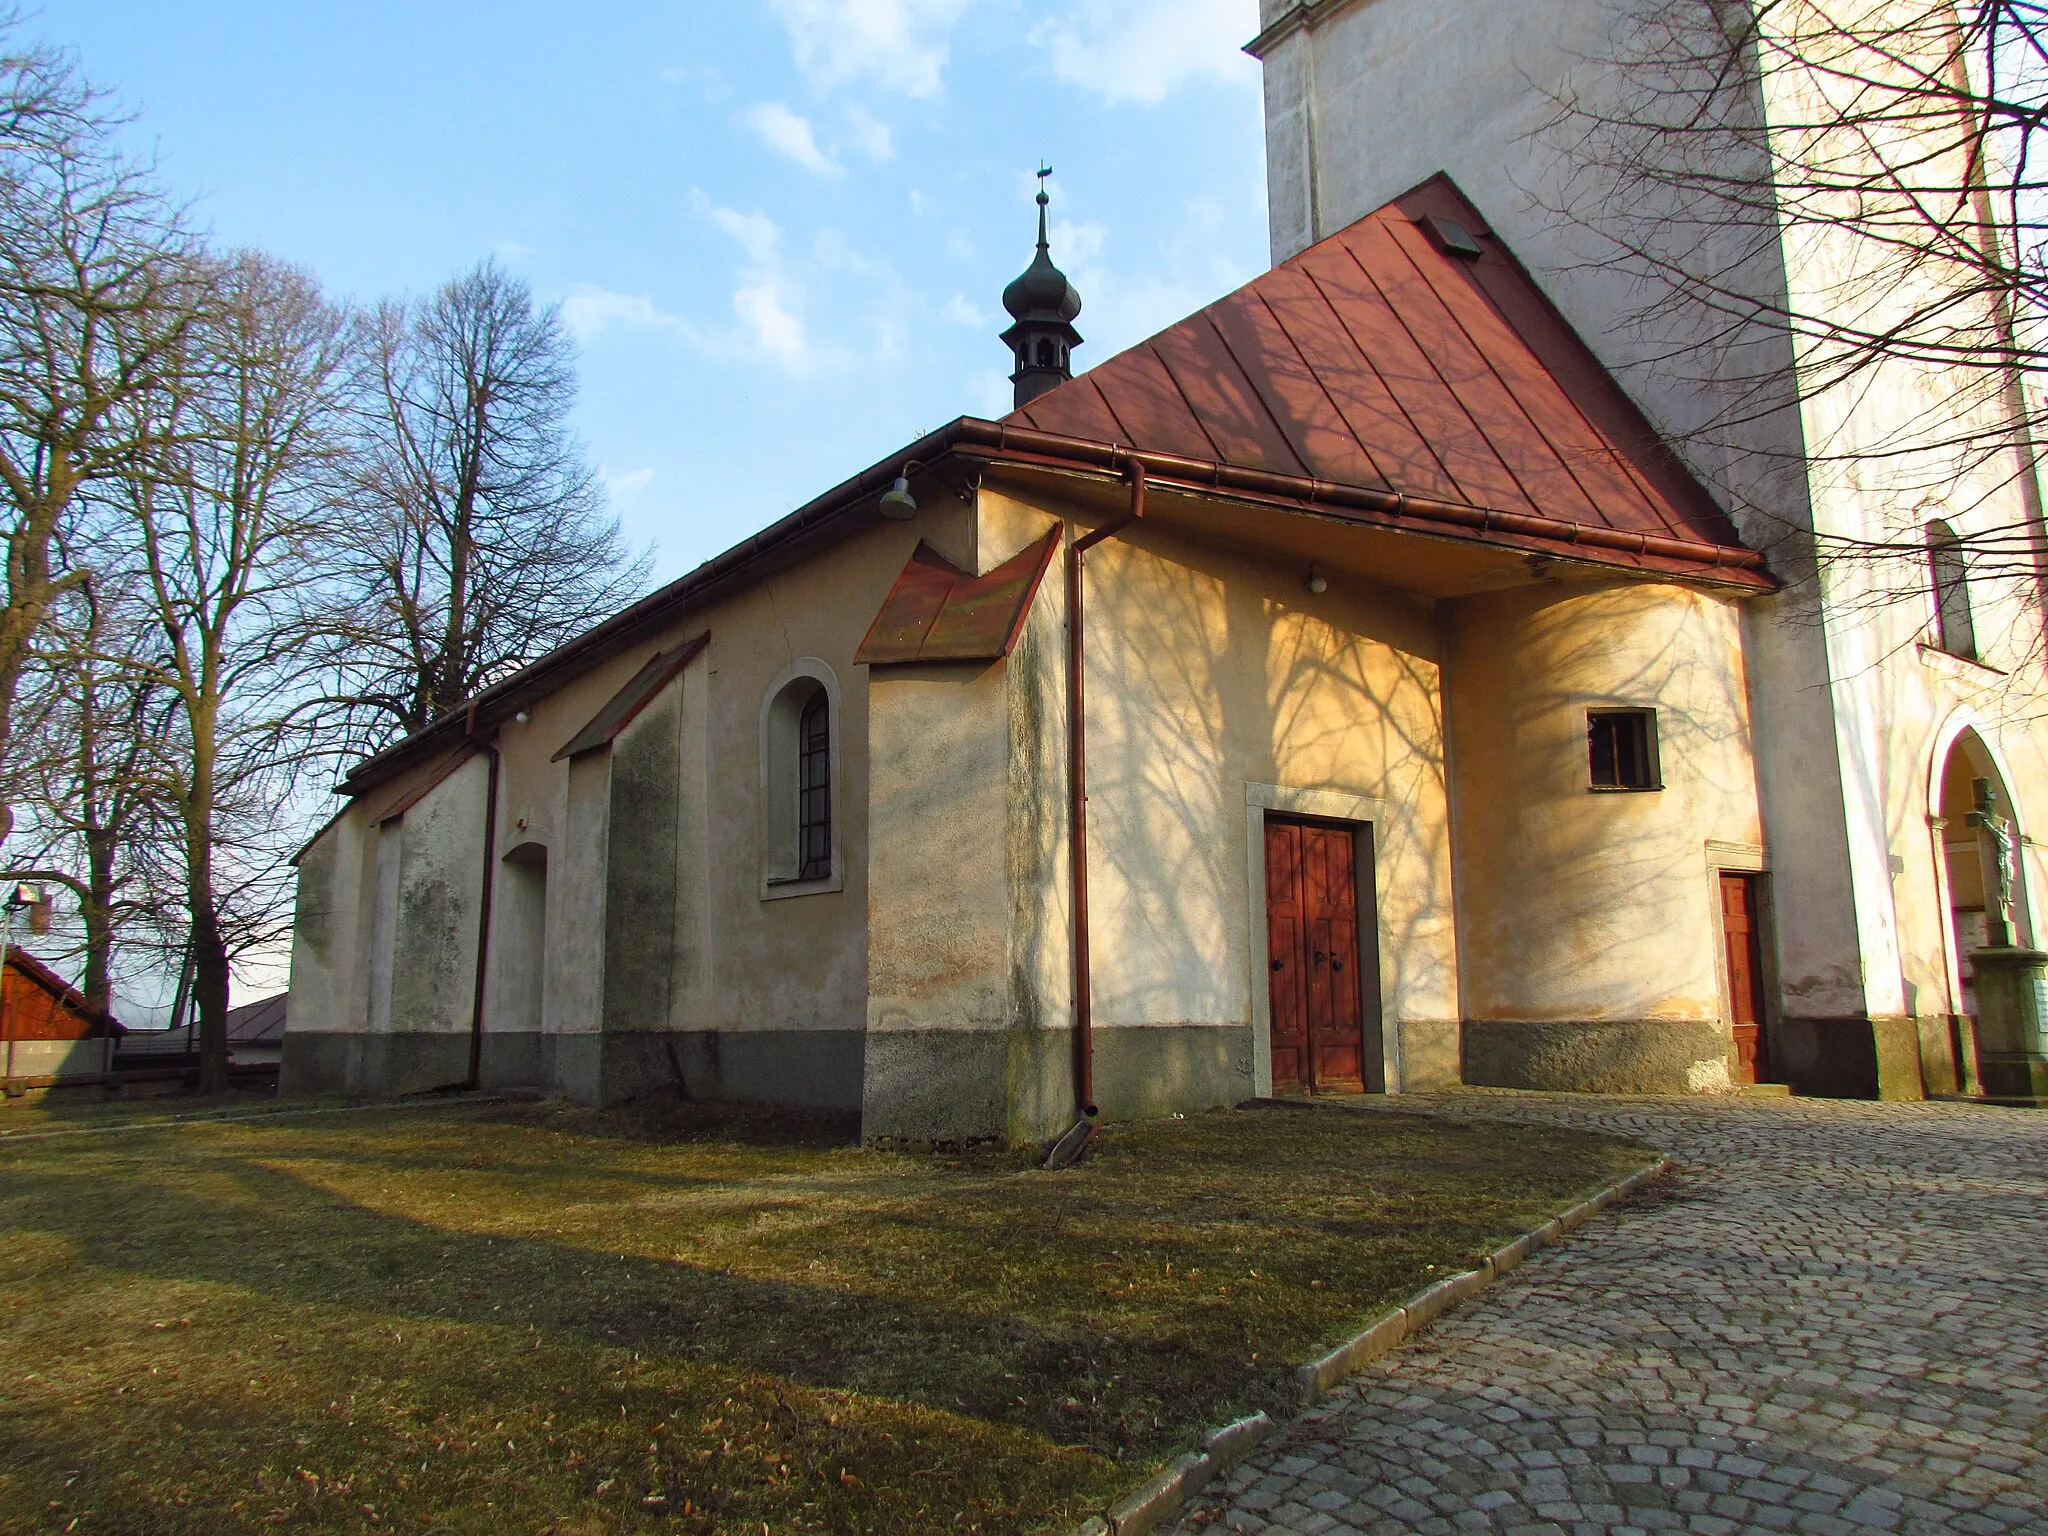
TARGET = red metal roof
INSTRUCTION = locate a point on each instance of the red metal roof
(1382, 359)
(623, 707)
(938, 612)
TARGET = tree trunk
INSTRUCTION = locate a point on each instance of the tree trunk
(209, 950)
(30, 589)
(96, 910)
(210, 992)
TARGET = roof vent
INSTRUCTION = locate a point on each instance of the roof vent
(1451, 237)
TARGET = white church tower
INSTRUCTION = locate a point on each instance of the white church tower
(1883, 693)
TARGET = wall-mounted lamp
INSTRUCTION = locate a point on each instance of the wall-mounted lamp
(523, 716)
(898, 505)
(1317, 582)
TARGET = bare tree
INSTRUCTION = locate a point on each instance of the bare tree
(232, 520)
(94, 301)
(90, 815)
(1821, 202)
(482, 539)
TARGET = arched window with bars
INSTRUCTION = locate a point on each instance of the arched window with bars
(799, 727)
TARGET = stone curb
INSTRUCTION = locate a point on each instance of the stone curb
(1349, 1358)
(1148, 1506)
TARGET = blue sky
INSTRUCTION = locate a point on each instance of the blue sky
(779, 229)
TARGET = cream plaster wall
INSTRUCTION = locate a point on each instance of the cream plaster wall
(1212, 676)
(1585, 905)
(970, 997)
(434, 898)
(573, 996)
(741, 963)
(725, 959)
(325, 916)
(1209, 670)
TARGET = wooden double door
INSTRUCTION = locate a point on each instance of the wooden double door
(1743, 931)
(1314, 958)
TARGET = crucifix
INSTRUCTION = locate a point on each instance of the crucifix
(2000, 848)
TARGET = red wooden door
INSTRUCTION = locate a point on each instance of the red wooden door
(1286, 957)
(1745, 975)
(1312, 958)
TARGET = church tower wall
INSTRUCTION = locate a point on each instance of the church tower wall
(1365, 98)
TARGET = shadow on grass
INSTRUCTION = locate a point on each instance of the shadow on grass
(982, 1318)
(655, 1341)
(299, 1243)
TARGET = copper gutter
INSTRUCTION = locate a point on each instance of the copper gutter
(851, 505)
(1077, 788)
(1023, 444)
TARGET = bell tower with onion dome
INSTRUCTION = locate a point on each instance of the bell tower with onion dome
(1043, 304)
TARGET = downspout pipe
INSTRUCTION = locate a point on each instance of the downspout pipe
(483, 921)
(1077, 809)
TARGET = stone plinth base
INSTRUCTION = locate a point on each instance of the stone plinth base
(2012, 1022)
(1603, 1056)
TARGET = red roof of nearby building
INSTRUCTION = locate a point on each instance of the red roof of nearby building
(1386, 359)
(38, 1004)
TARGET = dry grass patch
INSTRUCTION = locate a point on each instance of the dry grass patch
(681, 1319)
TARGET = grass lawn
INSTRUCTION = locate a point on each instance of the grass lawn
(547, 1319)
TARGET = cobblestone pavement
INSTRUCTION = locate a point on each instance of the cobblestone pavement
(1829, 1319)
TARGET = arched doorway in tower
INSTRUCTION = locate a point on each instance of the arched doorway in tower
(1970, 868)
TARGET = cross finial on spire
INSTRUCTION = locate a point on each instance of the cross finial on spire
(1044, 171)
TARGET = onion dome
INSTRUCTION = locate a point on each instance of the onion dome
(1044, 304)
(1043, 291)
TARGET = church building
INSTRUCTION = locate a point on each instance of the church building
(1346, 690)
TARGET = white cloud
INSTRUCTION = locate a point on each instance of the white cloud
(759, 236)
(703, 78)
(765, 305)
(869, 135)
(589, 311)
(763, 310)
(627, 485)
(780, 288)
(1076, 245)
(899, 45)
(961, 312)
(789, 134)
(1143, 50)
(768, 302)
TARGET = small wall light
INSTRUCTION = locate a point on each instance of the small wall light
(523, 716)
(898, 505)
(1317, 582)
